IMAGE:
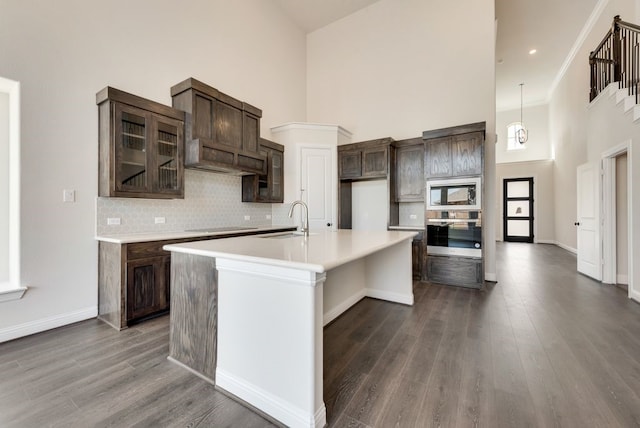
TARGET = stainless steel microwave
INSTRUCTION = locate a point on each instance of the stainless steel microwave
(454, 194)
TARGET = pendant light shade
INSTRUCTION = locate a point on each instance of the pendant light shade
(521, 134)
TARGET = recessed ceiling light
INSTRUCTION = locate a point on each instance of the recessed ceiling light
(532, 51)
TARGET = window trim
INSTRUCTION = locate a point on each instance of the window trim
(13, 289)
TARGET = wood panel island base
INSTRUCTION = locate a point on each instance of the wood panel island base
(247, 313)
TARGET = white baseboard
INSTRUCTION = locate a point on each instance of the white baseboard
(634, 295)
(37, 326)
(622, 279)
(405, 299)
(342, 307)
(273, 406)
(545, 241)
(566, 247)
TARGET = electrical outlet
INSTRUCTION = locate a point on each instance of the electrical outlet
(159, 220)
(68, 195)
(113, 221)
(247, 217)
(268, 216)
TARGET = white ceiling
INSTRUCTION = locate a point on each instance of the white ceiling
(550, 26)
(313, 14)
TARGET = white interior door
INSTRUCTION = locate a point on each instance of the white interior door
(316, 185)
(588, 210)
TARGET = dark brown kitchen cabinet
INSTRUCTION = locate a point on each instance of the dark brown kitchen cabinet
(454, 152)
(141, 147)
(409, 173)
(147, 287)
(222, 133)
(461, 271)
(364, 160)
(417, 256)
(267, 187)
(349, 164)
(134, 279)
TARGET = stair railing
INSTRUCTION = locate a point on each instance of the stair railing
(617, 59)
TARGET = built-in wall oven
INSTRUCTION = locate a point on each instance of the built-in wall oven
(456, 233)
(454, 217)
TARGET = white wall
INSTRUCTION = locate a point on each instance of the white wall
(4, 187)
(543, 192)
(369, 206)
(538, 146)
(63, 52)
(569, 123)
(396, 69)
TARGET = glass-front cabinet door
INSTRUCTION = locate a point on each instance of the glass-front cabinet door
(132, 144)
(168, 161)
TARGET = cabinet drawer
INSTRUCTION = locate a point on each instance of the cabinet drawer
(462, 271)
(141, 250)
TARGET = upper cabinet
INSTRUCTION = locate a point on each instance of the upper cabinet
(454, 152)
(409, 173)
(364, 160)
(141, 146)
(222, 133)
(267, 187)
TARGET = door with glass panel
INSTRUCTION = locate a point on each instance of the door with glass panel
(518, 209)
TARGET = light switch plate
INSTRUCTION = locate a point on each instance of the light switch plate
(268, 216)
(113, 221)
(413, 216)
(68, 195)
(247, 217)
(159, 220)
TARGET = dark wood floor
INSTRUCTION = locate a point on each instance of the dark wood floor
(543, 347)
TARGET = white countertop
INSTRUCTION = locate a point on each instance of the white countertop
(416, 228)
(319, 252)
(127, 238)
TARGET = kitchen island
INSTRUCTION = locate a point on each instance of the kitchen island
(247, 313)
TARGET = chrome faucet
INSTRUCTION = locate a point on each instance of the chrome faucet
(305, 220)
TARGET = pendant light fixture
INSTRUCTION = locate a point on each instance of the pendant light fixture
(521, 134)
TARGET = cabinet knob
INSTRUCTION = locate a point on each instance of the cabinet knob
(577, 223)
(328, 224)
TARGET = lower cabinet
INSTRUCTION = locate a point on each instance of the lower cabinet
(452, 270)
(148, 287)
(134, 279)
(416, 257)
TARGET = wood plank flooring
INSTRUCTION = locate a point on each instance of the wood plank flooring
(544, 346)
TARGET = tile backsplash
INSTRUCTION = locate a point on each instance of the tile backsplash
(210, 200)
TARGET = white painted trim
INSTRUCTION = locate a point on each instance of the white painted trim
(609, 227)
(609, 256)
(577, 45)
(272, 405)
(622, 279)
(566, 247)
(48, 323)
(12, 89)
(490, 276)
(341, 308)
(9, 292)
(545, 241)
(405, 299)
